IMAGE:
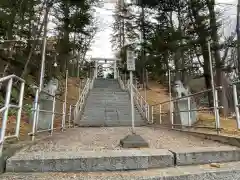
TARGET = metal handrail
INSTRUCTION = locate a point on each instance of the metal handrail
(36, 110)
(120, 81)
(187, 96)
(141, 103)
(13, 76)
(7, 105)
(4, 109)
(189, 109)
(80, 103)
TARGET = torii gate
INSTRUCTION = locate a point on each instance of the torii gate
(99, 61)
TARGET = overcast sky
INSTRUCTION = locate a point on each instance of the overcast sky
(102, 46)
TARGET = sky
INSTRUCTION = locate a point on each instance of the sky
(102, 47)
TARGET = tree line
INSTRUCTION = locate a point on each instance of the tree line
(174, 35)
(68, 24)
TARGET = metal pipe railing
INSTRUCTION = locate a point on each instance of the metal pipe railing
(141, 103)
(36, 110)
(7, 106)
(157, 108)
(82, 98)
(5, 78)
(4, 109)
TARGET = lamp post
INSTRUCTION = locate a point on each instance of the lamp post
(43, 58)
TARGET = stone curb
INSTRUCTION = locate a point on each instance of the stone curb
(11, 150)
(109, 160)
(226, 171)
(205, 155)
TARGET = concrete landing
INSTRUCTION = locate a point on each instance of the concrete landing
(108, 160)
(97, 149)
(226, 171)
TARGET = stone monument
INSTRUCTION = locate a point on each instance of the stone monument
(46, 104)
(182, 118)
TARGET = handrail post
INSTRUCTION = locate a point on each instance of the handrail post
(148, 114)
(152, 113)
(63, 117)
(171, 113)
(5, 114)
(235, 97)
(160, 113)
(53, 114)
(19, 113)
(217, 110)
(189, 110)
(65, 97)
(70, 116)
(35, 115)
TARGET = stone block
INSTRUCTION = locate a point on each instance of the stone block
(134, 141)
(87, 161)
(206, 155)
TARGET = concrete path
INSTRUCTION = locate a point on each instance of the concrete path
(97, 149)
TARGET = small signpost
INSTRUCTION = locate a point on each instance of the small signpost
(133, 140)
(130, 61)
(131, 68)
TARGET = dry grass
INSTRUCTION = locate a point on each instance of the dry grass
(73, 90)
(25, 127)
(157, 94)
(228, 125)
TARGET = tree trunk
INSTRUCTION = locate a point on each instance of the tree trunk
(143, 53)
(37, 36)
(217, 57)
(201, 32)
(65, 41)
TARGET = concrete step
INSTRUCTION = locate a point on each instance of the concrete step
(115, 118)
(90, 109)
(89, 161)
(226, 171)
(109, 91)
(121, 114)
(108, 96)
(107, 102)
(110, 123)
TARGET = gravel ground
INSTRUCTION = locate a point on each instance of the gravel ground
(108, 138)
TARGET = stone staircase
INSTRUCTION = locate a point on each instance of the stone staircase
(93, 153)
(108, 105)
